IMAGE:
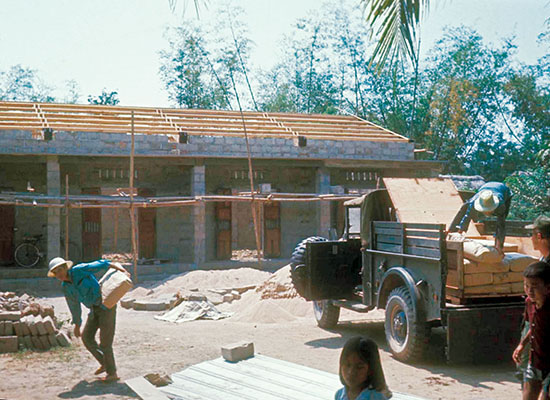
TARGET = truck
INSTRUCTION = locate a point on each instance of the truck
(381, 262)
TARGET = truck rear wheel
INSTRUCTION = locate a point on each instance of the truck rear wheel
(298, 261)
(326, 314)
(405, 332)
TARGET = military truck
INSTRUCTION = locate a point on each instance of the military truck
(402, 267)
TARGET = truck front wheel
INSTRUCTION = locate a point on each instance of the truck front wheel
(326, 314)
(405, 332)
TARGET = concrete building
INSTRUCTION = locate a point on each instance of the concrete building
(183, 159)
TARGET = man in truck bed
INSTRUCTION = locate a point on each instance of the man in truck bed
(492, 199)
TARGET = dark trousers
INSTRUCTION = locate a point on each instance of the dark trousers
(105, 321)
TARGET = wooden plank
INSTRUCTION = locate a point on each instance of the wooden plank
(394, 248)
(432, 244)
(429, 227)
(426, 200)
(392, 239)
(144, 389)
(422, 251)
(99, 118)
(430, 234)
(387, 231)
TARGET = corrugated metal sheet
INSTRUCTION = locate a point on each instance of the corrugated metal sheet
(257, 378)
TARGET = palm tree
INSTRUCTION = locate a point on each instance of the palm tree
(396, 25)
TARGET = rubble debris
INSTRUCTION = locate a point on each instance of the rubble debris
(24, 323)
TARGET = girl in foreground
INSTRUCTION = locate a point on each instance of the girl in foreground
(361, 372)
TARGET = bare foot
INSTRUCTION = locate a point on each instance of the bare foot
(100, 370)
(110, 378)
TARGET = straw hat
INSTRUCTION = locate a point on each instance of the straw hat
(58, 262)
(487, 201)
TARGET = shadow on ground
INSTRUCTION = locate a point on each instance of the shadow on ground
(96, 388)
(434, 362)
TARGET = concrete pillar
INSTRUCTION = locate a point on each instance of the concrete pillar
(198, 188)
(53, 183)
(322, 186)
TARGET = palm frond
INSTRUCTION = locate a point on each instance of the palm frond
(395, 26)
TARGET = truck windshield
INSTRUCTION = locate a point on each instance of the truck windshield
(354, 218)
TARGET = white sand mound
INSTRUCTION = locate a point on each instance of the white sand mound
(203, 280)
(278, 286)
(273, 301)
(252, 308)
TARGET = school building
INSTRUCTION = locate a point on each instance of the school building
(66, 167)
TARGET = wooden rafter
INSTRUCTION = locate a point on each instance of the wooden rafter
(163, 121)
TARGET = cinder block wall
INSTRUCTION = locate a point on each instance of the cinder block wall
(83, 155)
(89, 143)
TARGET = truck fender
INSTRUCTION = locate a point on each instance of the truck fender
(395, 277)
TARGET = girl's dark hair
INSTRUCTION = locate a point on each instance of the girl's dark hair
(367, 350)
(539, 270)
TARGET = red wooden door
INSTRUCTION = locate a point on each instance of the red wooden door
(272, 230)
(7, 218)
(91, 230)
(223, 231)
(147, 234)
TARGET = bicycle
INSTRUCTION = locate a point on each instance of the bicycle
(27, 254)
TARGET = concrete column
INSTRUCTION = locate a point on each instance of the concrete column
(322, 186)
(53, 183)
(198, 188)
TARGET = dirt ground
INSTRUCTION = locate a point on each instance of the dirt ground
(279, 327)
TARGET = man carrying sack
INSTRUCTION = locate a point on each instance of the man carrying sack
(492, 200)
(81, 286)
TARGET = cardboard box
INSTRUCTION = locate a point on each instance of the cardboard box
(114, 285)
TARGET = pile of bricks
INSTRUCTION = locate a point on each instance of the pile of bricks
(26, 324)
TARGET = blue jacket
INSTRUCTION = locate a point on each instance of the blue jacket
(467, 211)
(83, 287)
(367, 394)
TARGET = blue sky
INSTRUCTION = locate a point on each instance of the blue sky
(115, 43)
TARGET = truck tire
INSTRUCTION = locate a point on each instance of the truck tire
(407, 336)
(297, 263)
(326, 314)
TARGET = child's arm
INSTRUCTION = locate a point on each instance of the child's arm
(517, 352)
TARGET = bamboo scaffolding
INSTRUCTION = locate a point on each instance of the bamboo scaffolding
(186, 201)
(67, 217)
(132, 209)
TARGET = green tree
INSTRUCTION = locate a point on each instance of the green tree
(105, 98)
(189, 75)
(22, 84)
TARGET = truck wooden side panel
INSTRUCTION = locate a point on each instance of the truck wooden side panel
(482, 334)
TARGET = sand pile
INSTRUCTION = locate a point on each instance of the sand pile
(217, 279)
(274, 301)
(278, 286)
(213, 283)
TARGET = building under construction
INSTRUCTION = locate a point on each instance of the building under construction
(68, 168)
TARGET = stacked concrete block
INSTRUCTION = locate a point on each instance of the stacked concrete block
(36, 332)
(26, 324)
